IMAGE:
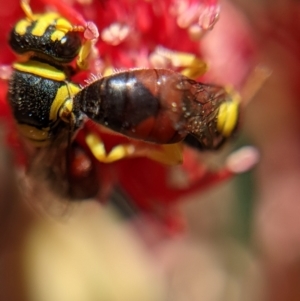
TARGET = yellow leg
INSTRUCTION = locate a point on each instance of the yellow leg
(82, 60)
(65, 110)
(117, 153)
(88, 50)
(170, 154)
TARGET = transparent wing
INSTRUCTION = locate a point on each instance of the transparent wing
(202, 103)
(61, 172)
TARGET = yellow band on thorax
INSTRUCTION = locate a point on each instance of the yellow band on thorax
(41, 69)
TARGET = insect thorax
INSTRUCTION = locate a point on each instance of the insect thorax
(37, 92)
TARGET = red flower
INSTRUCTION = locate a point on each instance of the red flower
(142, 34)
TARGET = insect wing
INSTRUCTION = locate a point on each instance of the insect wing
(201, 105)
(60, 172)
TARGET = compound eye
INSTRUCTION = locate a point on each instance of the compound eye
(67, 48)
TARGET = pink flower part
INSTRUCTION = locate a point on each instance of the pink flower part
(229, 49)
(91, 31)
(209, 15)
(243, 159)
(115, 34)
(5, 72)
(65, 9)
(190, 12)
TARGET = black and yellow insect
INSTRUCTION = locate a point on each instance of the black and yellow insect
(41, 92)
(40, 89)
(155, 105)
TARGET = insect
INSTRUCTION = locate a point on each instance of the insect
(154, 105)
(41, 94)
(160, 106)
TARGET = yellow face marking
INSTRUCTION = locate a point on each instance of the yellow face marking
(228, 117)
(21, 27)
(63, 26)
(36, 135)
(57, 35)
(43, 22)
(64, 93)
(41, 69)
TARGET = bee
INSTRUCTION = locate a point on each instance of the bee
(40, 88)
(155, 105)
(41, 94)
(160, 106)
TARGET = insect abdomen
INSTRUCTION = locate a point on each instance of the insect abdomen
(139, 103)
